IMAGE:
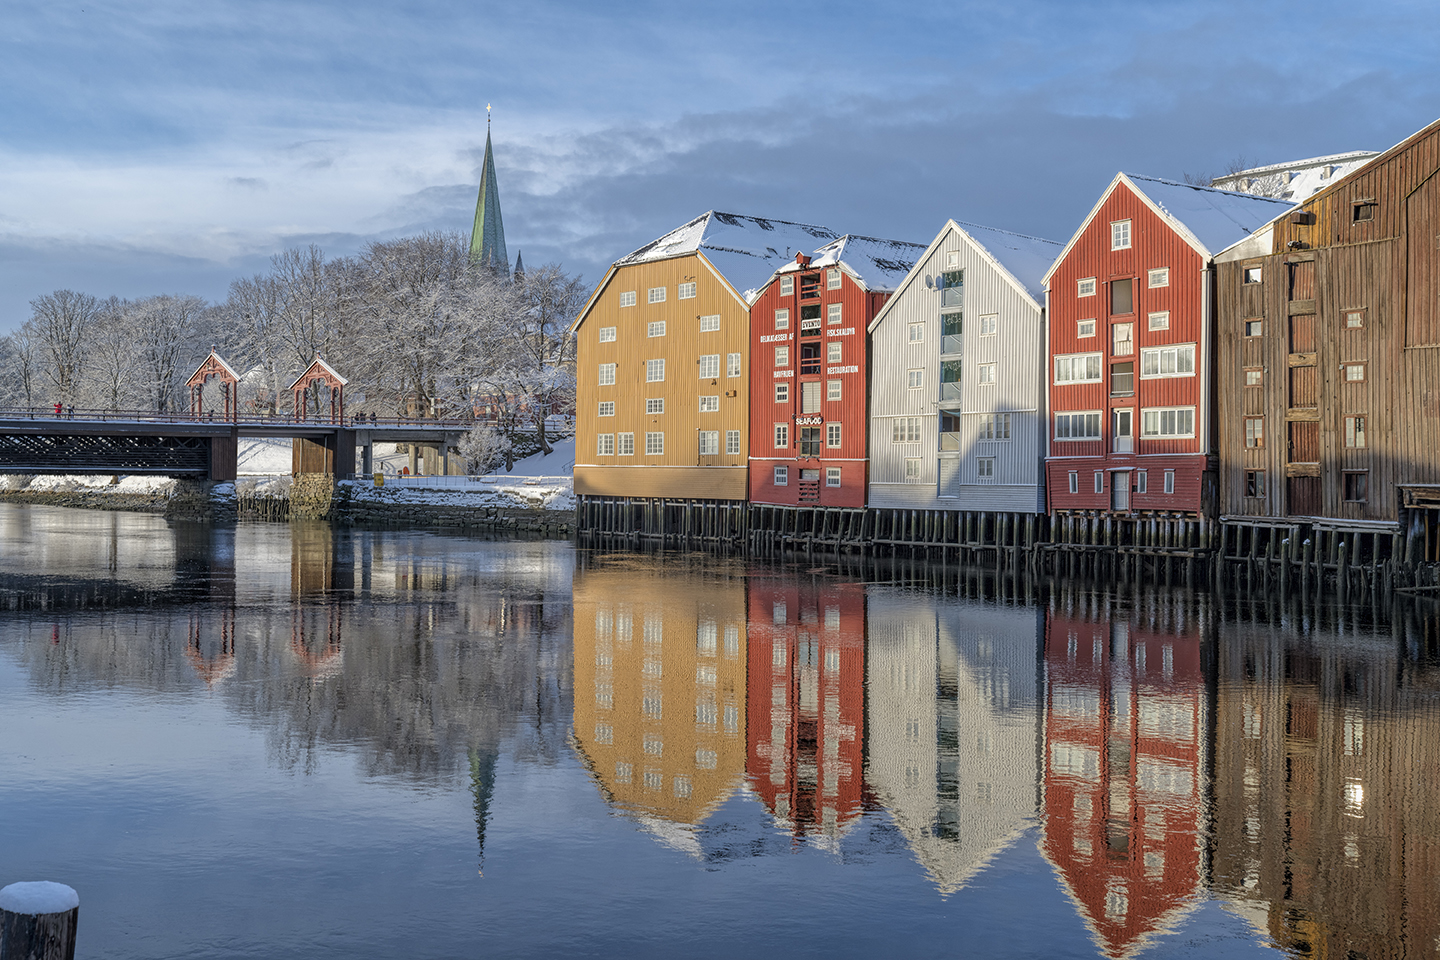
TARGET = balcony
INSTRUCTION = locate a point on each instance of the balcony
(951, 345)
(810, 366)
(952, 297)
(950, 392)
(950, 442)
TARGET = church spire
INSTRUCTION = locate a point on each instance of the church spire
(487, 239)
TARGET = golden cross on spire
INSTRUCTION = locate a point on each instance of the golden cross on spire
(487, 114)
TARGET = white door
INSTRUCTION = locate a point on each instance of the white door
(1122, 428)
(1120, 490)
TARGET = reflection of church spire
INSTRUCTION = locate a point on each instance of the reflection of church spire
(482, 784)
(487, 238)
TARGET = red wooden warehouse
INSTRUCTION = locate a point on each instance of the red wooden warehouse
(1131, 339)
(808, 429)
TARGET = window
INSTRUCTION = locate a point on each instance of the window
(1254, 432)
(1253, 327)
(833, 313)
(1355, 431)
(782, 436)
(905, 430)
(1074, 481)
(1085, 288)
(1353, 372)
(1078, 368)
(1085, 328)
(1357, 486)
(782, 319)
(809, 445)
(1077, 426)
(607, 374)
(912, 468)
(985, 469)
(810, 397)
(709, 443)
(1169, 481)
(657, 295)
(832, 389)
(654, 371)
(732, 365)
(832, 476)
(655, 405)
(1120, 235)
(1175, 361)
(732, 442)
(1159, 320)
(832, 435)
(995, 426)
(987, 325)
(709, 366)
(1142, 481)
(710, 404)
(627, 299)
(654, 444)
(986, 375)
(1168, 422)
(1254, 376)
(915, 379)
(832, 351)
(1122, 298)
(810, 319)
(625, 442)
(1158, 277)
(782, 393)
(605, 444)
(782, 356)
(710, 324)
(1122, 379)
(1251, 275)
(952, 288)
(686, 291)
(607, 408)
(607, 334)
(1354, 319)
(1099, 481)
(787, 286)
(1122, 339)
(782, 476)
(917, 333)
(655, 328)
(1255, 483)
(832, 278)
(1364, 210)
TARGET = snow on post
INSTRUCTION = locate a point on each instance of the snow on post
(38, 920)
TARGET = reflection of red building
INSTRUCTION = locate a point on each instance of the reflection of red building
(1124, 767)
(806, 701)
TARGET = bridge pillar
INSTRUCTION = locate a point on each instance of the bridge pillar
(224, 458)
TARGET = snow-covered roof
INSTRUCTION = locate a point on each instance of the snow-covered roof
(746, 250)
(324, 368)
(212, 355)
(1296, 179)
(1026, 258)
(877, 264)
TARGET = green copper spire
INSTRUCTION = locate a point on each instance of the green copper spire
(487, 239)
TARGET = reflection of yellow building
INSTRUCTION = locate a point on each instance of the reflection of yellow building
(660, 686)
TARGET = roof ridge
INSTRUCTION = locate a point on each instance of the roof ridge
(1008, 233)
(1196, 186)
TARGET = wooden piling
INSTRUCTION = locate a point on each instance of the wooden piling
(38, 921)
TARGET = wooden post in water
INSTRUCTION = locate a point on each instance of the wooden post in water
(38, 921)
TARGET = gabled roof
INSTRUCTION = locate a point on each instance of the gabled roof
(218, 359)
(745, 250)
(1209, 220)
(1297, 179)
(324, 368)
(878, 265)
(1021, 260)
(1387, 156)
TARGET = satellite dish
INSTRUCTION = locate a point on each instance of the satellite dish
(929, 280)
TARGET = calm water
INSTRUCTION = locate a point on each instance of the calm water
(293, 741)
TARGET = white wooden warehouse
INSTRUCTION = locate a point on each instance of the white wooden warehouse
(957, 377)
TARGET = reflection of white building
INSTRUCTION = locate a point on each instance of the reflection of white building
(951, 715)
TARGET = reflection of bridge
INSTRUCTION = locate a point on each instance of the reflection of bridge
(196, 444)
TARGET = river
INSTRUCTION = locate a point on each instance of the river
(277, 740)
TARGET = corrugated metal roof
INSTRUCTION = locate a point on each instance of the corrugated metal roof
(879, 264)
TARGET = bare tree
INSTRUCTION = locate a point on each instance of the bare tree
(61, 324)
(169, 330)
(112, 376)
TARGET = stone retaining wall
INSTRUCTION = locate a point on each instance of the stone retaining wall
(189, 500)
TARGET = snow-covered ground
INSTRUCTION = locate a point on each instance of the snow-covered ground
(270, 457)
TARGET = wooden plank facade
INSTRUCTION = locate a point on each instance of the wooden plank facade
(1329, 355)
(957, 377)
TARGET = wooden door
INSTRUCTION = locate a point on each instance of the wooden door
(1302, 496)
(1422, 280)
(1305, 442)
(1302, 280)
(1304, 387)
(1302, 333)
(1120, 490)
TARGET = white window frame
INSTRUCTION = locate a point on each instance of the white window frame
(782, 318)
(709, 443)
(994, 427)
(1085, 287)
(655, 443)
(732, 442)
(625, 444)
(1120, 235)
(912, 469)
(685, 291)
(655, 328)
(782, 392)
(1084, 328)
(1157, 277)
(1099, 481)
(732, 364)
(1066, 363)
(710, 324)
(985, 374)
(1169, 481)
(834, 314)
(782, 436)
(627, 298)
(833, 390)
(985, 469)
(1085, 424)
(834, 352)
(709, 366)
(604, 444)
(607, 334)
(607, 375)
(1153, 359)
(915, 379)
(787, 286)
(655, 371)
(988, 324)
(654, 406)
(905, 430)
(832, 476)
(607, 408)
(1153, 423)
(916, 333)
(782, 476)
(782, 356)
(1159, 320)
(1142, 481)
(710, 404)
(832, 278)
(655, 295)
(832, 435)
(1074, 481)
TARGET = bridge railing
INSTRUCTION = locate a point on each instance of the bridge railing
(470, 483)
(357, 421)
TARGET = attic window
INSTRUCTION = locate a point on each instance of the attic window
(832, 278)
(952, 258)
(1120, 235)
(1085, 288)
(1364, 210)
(787, 286)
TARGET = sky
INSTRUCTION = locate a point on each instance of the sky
(172, 146)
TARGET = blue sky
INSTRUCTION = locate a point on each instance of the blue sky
(151, 146)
